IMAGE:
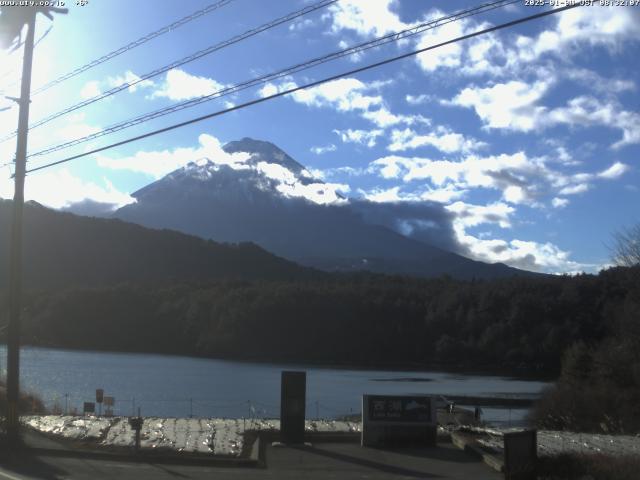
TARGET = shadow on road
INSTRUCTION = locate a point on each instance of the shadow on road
(22, 462)
(383, 467)
(436, 453)
(168, 470)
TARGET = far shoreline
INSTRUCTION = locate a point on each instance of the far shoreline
(513, 372)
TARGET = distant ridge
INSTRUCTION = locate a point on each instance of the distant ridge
(64, 250)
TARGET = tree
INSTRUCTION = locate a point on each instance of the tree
(625, 251)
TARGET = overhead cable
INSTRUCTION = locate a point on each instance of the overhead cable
(229, 90)
(178, 63)
(136, 43)
(308, 85)
(9, 72)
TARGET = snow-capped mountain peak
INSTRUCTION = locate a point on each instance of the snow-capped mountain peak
(251, 190)
(263, 166)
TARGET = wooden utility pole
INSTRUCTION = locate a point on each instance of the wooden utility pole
(12, 21)
(15, 259)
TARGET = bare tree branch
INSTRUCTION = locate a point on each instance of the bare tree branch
(625, 250)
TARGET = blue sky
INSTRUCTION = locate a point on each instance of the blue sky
(529, 137)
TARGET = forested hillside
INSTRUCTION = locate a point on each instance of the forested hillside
(522, 323)
(63, 250)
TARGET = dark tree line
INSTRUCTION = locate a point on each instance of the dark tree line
(363, 319)
(599, 386)
(585, 328)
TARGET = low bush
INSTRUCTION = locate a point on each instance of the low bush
(29, 403)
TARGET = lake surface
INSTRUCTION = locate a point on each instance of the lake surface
(174, 386)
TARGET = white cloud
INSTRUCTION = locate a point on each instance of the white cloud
(130, 77)
(421, 99)
(394, 194)
(597, 82)
(322, 150)
(180, 85)
(383, 117)
(159, 163)
(574, 189)
(441, 138)
(614, 171)
(362, 137)
(275, 171)
(61, 189)
(528, 255)
(348, 95)
(504, 54)
(93, 88)
(484, 54)
(330, 172)
(376, 18)
(494, 54)
(468, 215)
(508, 105)
(562, 156)
(90, 89)
(379, 195)
(581, 27)
(520, 179)
(300, 25)
(344, 94)
(75, 127)
(390, 167)
(365, 17)
(443, 195)
(515, 194)
(320, 193)
(473, 171)
(354, 57)
(447, 56)
(628, 122)
(271, 88)
(71, 132)
(582, 110)
(558, 202)
(587, 110)
(289, 185)
(514, 106)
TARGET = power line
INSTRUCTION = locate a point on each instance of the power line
(282, 73)
(308, 85)
(136, 43)
(394, 37)
(182, 61)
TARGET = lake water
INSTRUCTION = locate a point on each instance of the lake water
(181, 386)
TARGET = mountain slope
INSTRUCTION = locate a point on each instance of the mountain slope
(62, 249)
(264, 199)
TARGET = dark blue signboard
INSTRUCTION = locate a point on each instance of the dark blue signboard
(400, 409)
(292, 406)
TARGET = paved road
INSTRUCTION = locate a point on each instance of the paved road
(322, 461)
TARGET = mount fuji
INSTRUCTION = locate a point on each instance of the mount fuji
(258, 193)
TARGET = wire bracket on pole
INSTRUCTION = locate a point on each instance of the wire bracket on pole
(14, 99)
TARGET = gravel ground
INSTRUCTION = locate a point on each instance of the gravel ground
(204, 435)
(225, 436)
(555, 442)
